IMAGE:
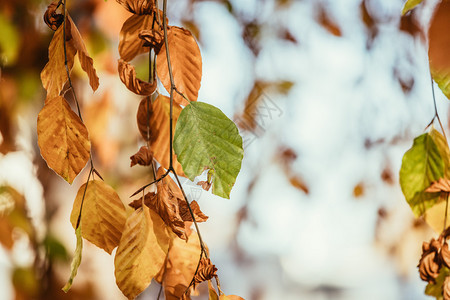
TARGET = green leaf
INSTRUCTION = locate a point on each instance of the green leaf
(421, 165)
(410, 4)
(76, 260)
(206, 139)
(436, 289)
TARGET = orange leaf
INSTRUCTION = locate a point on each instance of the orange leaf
(62, 138)
(230, 297)
(83, 56)
(130, 45)
(180, 267)
(54, 74)
(103, 215)
(127, 74)
(442, 185)
(141, 253)
(159, 128)
(140, 7)
(143, 157)
(51, 18)
(186, 62)
(212, 292)
(153, 38)
(206, 271)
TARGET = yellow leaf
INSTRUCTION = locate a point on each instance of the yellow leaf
(103, 214)
(76, 259)
(182, 262)
(130, 45)
(62, 138)
(142, 251)
(54, 74)
(186, 62)
(212, 292)
(83, 56)
(230, 297)
(158, 117)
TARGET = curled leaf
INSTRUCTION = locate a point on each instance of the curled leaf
(127, 74)
(186, 61)
(62, 138)
(130, 45)
(186, 215)
(446, 288)
(206, 271)
(51, 18)
(152, 38)
(139, 7)
(143, 157)
(441, 185)
(205, 185)
(76, 260)
(430, 263)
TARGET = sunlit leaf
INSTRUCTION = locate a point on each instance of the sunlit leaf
(76, 260)
(186, 62)
(157, 116)
(142, 251)
(103, 214)
(130, 45)
(54, 74)
(230, 297)
(139, 7)
(439, 47)
(128, 76)
(83, 56)
(206, 139)
(410, 4)
(63, 139)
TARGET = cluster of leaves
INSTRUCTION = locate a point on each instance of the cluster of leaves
(155, 240)
(425, 170)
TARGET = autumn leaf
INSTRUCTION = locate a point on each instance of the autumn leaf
(186, 62)
(142, 251)
(439, 47)
(153, 38)
(127, 74)
(87, 64)
(143, 157)
(62, 138)
(421, 165)
(206, 271)
(409, 5)
(139, 7)
(130, 45)
(157, 115)
(51, 18)
(54, 74)
(103, 214)
(206, 139)
(76, 260)
(180, 267)
(442, 185)
(230, 297)
(212, 292)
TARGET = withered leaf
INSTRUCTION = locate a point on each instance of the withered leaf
(446, 287)
(445, 255)
(441, 185)
(130, 45)
(54, 74)
(205, 185)
(154, 118)
(430, 264)
(142, 251)
(143, 157)
(152, 38)
(186, 62)
(186, 215)
(62, 138)
(87, 64)
(127, 74)
(103, 215)
(51, 18)
(139, 7)
(206, 271)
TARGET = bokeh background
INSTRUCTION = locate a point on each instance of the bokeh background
(328, 95)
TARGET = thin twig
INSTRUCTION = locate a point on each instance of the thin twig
(82, 199)
(436, 114)
(149, 184)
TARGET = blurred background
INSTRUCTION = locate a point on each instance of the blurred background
(328, 95)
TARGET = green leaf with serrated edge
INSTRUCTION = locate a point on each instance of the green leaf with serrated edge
(410, 4)
(76, 260)
(206, 139)
(441, 144)
(421, 165)
(436, 289)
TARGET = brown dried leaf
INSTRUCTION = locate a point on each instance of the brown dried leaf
(87, 64)
(127, 74)
(139, 7)
(143, 157)
(186, 62)
(54, 74)
(180, 267)
(142, 251)
(186, 215)
(130, 45)
(205, 185)
(152, 38)
(446, 288)
(103, 215)
(206, 271)
(445, 255)
(442, 185)
(430, 263)
(62, 138)
(51, 18)
(157, 117)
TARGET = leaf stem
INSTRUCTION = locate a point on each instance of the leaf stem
(84, 195)
(149, 184)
